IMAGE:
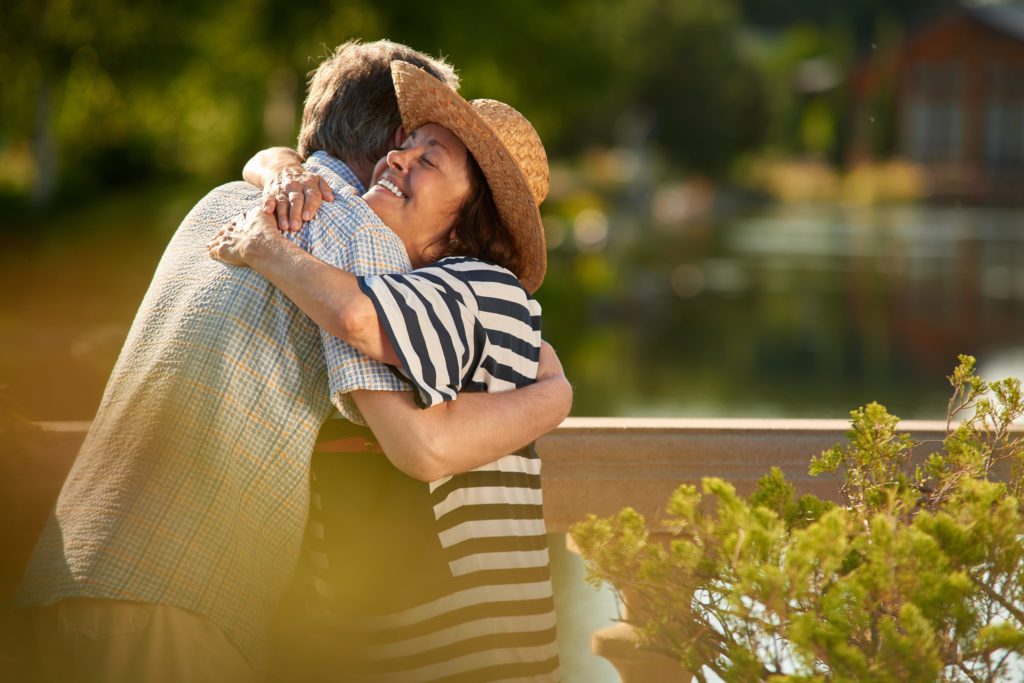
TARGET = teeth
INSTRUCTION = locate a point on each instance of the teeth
(387, 184)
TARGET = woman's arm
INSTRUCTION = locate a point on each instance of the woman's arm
(329, 296)
(471, 431)
(290, 191)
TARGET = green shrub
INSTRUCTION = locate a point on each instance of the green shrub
(917, 576)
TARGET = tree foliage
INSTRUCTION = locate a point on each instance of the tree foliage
(98, 93)
(917, 576)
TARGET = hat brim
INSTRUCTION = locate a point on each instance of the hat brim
(423, 99)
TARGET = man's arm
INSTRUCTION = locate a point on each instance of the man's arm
(473, 430)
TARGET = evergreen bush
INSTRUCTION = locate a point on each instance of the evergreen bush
(917, 576)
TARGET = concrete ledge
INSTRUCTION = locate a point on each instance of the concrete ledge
(619, 644)
(599, 465)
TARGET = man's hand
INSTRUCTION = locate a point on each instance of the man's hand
(295, 195)
(244, 237)
(548, 365)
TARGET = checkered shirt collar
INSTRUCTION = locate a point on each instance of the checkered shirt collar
(344, 174)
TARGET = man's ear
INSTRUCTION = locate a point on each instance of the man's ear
(399, 137)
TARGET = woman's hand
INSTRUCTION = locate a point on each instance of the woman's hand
(295, 194)
(289, 190)
(244, 237)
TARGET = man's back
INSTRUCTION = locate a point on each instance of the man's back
(191, 488)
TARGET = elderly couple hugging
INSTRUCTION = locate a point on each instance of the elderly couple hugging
(187, 532)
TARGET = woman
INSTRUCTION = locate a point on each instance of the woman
(462, 584)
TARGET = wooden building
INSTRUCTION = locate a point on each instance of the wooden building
(950, 98)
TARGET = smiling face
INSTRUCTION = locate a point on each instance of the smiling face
(418, 189)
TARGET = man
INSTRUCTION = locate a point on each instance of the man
(179, 525)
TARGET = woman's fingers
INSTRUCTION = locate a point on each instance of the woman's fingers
(269, 204)
(224, 247)
(226, 230)
(224, 244)
(314, 198)
(296, 199)
(325, 190)
(216, 247)
(282, 213)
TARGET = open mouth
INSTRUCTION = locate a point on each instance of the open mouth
(391, 187)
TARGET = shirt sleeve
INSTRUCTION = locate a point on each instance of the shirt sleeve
(366, 250)
(458, 326)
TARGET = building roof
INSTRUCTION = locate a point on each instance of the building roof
(1008, 19)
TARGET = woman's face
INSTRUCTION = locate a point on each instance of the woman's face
(418, 189)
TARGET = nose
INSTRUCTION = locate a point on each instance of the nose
(398, 159)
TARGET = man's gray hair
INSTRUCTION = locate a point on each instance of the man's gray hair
(351, 111)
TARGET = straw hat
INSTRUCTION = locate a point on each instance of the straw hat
(504, 144)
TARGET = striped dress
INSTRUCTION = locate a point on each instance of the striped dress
(447, 581)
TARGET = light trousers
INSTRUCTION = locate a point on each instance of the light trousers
(86, 640)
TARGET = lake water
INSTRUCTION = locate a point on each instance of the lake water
(787, 311)
(806, 311)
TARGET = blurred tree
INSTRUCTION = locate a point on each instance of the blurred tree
(689, 73)
(99, 93)
(73, 71)
(803, 39)
(859, 15)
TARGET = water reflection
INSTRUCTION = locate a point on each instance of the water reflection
(582, 610)
(788, 311)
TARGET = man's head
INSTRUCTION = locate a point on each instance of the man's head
(351, 111)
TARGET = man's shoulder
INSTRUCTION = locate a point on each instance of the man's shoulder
(335, 172)
(227, 198)
(348, 234)
(351, 214)
(237, 191)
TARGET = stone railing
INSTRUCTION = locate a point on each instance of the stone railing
(600, 465)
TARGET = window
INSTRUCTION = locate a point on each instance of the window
(934, 121)
(1004, 117)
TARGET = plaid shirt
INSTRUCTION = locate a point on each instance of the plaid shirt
(191, 488)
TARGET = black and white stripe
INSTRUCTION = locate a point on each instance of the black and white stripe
(465, 325)
(459, 325)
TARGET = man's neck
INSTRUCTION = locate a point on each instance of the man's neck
(362, 169)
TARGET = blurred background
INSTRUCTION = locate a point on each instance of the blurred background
(758, 207)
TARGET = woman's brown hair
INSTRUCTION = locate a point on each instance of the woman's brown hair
(479, 232)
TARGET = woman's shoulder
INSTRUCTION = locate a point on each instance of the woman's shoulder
(476, 271)
(479, 286)
(491, 288)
